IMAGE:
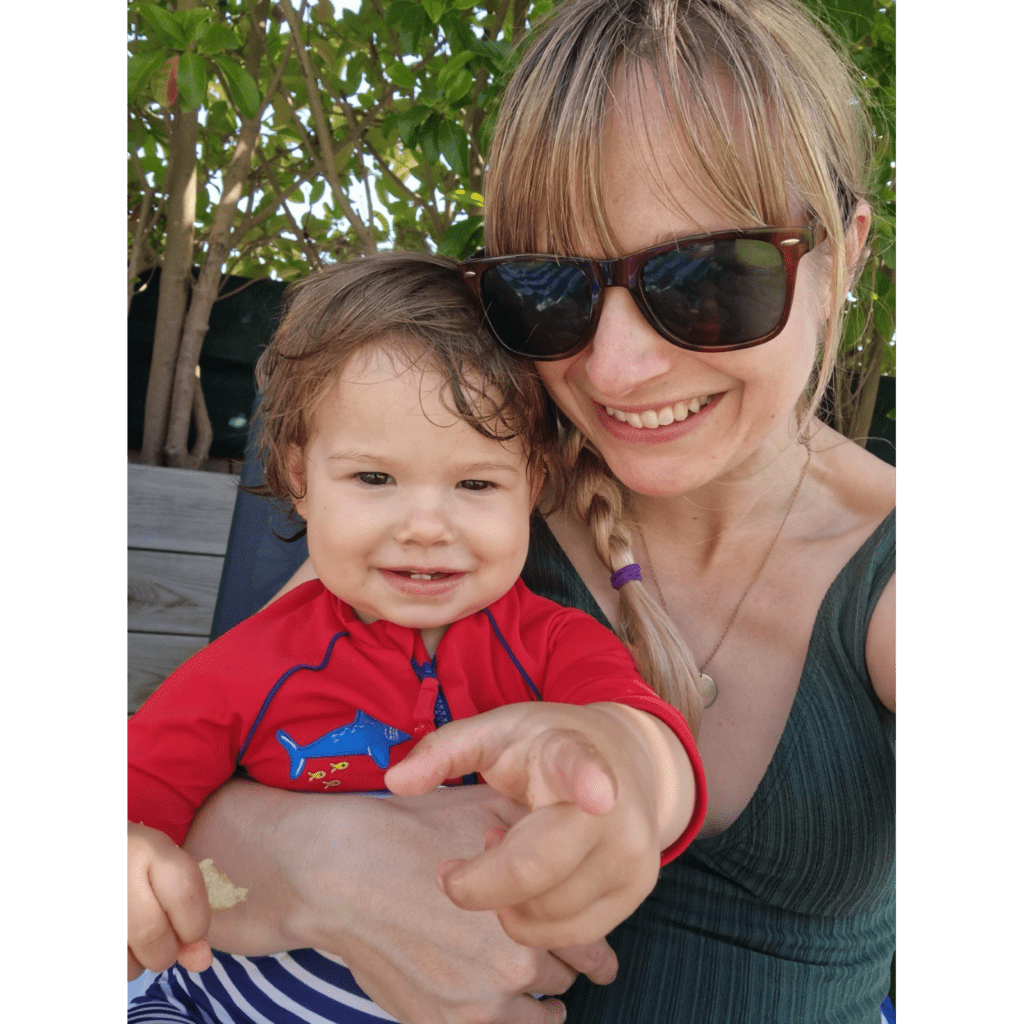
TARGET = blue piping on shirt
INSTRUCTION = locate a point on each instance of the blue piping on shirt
(508, 651)
(277, 686)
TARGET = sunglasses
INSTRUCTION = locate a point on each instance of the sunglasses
(706, 293)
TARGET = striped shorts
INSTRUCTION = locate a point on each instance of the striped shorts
(300, 987)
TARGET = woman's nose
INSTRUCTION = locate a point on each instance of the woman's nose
(625, 351)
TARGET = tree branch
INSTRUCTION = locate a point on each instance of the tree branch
(323, 134)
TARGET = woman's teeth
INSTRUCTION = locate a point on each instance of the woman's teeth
(651, 418)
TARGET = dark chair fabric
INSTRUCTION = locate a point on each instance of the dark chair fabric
(258, 562)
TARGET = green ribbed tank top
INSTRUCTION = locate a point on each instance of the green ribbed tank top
(789, 916)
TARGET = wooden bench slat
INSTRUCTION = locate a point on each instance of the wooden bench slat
(180, 509)
(171, 592)
(152, 657)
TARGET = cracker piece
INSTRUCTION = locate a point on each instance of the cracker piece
(220, 891)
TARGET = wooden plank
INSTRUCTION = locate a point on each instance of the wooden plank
(180, 509)
(152, 657)
(171, 592)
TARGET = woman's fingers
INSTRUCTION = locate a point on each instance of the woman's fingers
(595, 960)
(552, 1011)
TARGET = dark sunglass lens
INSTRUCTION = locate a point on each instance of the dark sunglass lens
(538, 308)
(717, 293)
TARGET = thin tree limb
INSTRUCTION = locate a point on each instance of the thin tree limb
(323, 134)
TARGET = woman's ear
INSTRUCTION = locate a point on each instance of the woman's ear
(297, 478)
(857, 236)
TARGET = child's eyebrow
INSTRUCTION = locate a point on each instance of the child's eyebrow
(473, 468)
(353, 457)
(466, 469)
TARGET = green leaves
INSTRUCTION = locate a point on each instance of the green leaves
(454, 80)
(191, 80)
(165, 26)
(407, 122)
(244, 92)
(434, 9)
(463, 238)
(140, 70)
(454, 145)
(216, 38)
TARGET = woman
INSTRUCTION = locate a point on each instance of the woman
(692, 449)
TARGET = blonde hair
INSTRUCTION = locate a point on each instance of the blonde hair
(802, 141)
(391, 298)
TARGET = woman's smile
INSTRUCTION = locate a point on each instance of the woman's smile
(658, 424)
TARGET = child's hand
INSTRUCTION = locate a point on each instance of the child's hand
(608, 787)
(168, 912)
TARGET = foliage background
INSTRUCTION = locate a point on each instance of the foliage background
(251, 156)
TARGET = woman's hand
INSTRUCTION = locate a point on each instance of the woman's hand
(168, 912)
(608, 787)
(355, 876)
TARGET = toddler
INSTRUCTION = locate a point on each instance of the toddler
(414, 449)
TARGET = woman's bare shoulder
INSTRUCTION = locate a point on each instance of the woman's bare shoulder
(859, 488)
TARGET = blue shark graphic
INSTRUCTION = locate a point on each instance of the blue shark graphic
(363, 735)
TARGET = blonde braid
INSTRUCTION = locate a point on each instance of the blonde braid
(586, 489)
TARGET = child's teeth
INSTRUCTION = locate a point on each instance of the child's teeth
(420, 576)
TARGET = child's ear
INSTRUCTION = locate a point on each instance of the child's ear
(297, 479)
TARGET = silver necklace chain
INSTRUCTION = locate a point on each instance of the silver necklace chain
(710, 687)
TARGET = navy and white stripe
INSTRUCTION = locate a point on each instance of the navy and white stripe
(300, 987)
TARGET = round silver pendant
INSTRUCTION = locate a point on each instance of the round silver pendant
(709, 689)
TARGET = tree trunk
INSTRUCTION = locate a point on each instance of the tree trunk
(175, 282)
(204, 294)
(187, 400)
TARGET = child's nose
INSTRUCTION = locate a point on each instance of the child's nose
(426, 524)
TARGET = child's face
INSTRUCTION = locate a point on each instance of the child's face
(412, 515)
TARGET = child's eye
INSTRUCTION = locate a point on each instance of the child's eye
(375, 479)
(476, 485)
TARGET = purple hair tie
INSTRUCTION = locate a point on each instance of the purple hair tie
(625, 574)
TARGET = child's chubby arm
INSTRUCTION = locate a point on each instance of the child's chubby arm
(168, 910)
(608, 786)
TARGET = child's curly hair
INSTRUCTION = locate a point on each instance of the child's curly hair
(393, 298)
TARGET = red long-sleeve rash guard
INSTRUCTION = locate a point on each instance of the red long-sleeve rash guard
(304, 696)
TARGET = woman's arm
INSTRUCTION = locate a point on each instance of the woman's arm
(355, 876)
